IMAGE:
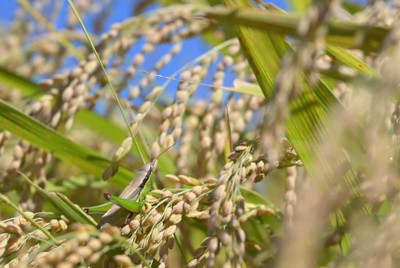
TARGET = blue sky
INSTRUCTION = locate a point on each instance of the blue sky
(121, 10)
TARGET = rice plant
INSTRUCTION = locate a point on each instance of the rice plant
(200, 134)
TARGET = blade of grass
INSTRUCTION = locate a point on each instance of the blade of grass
(74, 211)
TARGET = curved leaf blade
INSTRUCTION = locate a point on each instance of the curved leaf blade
(50, 141)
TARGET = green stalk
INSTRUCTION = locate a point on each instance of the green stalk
(108, 79)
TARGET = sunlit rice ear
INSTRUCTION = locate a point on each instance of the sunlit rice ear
(122, 150)
(117, 158)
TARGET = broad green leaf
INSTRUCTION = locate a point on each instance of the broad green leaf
(309, 112)
(50, 141)
(304, 125)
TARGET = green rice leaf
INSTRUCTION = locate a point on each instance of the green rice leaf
(346, 59)
(63, 205)
(11, 80)
(50, 141)
(341, 33)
